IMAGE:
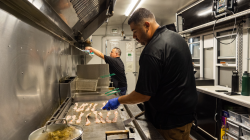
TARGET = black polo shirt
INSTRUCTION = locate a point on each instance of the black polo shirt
(166, 74)
(116, 66)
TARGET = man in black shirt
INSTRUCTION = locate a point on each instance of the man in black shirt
(116, 66)
(166, 82)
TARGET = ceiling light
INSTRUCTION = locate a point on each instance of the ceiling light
(205, 12)
(132, 5)
(138, 6)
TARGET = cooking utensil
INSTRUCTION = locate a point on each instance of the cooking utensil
(112, 90)
(42, 133)
(133, 118)
(109, 75)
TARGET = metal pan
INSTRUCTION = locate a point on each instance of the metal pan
(42, 133)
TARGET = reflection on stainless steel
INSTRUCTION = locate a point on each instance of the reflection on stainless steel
(65, 10)
(94, 71)
(63, 19)
(43, 15)
(31, 66)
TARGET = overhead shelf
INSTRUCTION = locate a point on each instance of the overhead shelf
(194, 42)
(226, 57)
(226, 65)
(218, 21)
(197, 65)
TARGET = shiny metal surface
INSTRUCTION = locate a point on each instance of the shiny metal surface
(97, 131)
(86, 84)
(61, 18)
(42, 133)
(92, 14)
(64, 109)
(32, 62)
(92, 96)
(145, 128)
(95, 24)
(65, 10)
(94, 71)
(66, 88)
(41, 13)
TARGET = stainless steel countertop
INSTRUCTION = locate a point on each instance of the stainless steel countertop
(237, 99)
(202, 78)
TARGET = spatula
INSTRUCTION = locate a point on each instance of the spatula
(133, 118)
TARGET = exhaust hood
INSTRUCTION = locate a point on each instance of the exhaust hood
(71, 20)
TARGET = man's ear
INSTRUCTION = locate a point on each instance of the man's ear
(147, 24)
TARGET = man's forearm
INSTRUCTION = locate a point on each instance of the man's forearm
(98, 53)
(133, 98)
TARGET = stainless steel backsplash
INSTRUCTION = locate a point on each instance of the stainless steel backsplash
(31, 64)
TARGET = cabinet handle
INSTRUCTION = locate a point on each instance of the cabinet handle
(215, 117)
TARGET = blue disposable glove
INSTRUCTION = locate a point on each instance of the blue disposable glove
(112, 104)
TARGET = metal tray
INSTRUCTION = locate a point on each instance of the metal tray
(97, 131)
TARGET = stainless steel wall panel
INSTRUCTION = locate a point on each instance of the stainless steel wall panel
(75, 61)
(31, 65)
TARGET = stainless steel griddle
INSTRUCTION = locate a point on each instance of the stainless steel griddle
(135, 129)
(97, 131)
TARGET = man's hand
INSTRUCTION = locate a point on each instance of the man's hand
(98, 53)
(112, 104)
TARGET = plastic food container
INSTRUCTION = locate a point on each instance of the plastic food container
(245, 120)
(246, 134)
(234, 116)
(230, 137)
(233, 128)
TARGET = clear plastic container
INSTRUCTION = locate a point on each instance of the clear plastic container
(230, 137)
(234, 116)
(246, 134)
(245, 120)
(233, 129)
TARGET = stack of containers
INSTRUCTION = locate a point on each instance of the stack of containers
(230, 137)
(245, 123)
(238, 126)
